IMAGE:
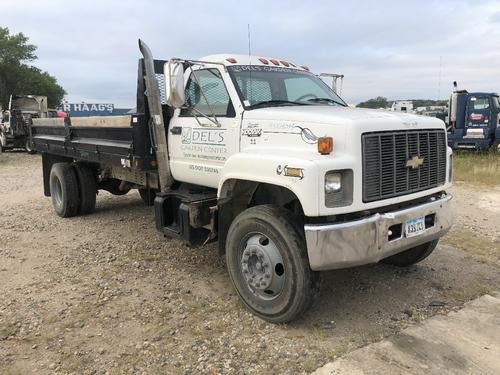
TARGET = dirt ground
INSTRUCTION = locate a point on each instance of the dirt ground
(107, 294)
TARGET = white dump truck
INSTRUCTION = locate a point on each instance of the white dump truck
(261, 155)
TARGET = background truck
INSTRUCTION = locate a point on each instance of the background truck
(261, 155)
(14, 129)
(474, 120)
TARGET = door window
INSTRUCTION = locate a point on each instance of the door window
(207, 93)
(480, 103)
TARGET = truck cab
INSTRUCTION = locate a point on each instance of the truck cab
(474, 121)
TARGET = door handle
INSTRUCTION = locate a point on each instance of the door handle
(176, 130)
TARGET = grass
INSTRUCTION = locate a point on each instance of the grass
(473, 244)
(476, 168)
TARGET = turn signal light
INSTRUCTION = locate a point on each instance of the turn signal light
(325, 145)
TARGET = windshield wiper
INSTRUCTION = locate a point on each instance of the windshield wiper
(328, 100)
(272, 103)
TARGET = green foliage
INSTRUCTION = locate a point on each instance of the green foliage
(428, 103)
(381, 102)
(378, 102)
(17, 77)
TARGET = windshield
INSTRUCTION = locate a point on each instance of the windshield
(261, 86)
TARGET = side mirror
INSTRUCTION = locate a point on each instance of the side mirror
(174, 84)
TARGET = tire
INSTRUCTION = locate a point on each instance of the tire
(28, 147)
(86, 187)
(266, 242)
(495, 147)
(64, 189)
(148, 196)
(411, 256)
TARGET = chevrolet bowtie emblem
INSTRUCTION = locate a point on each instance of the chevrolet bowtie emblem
(414, 162)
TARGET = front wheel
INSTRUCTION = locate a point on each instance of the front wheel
(411, 256)
(267, 262)
(495, 147)
(29, 148)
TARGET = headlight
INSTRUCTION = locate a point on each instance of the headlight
(333, 182)
(338, 188)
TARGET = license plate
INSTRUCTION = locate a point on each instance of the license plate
(415, 226)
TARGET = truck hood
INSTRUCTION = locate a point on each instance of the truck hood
(344, 124)
(325, 114)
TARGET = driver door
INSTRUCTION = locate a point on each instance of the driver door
(203, 135)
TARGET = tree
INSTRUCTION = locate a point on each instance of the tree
(18, 77)
(378, 102)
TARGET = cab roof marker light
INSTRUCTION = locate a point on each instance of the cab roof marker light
(292, 64)
(305, 67)
(285, 63)
(275, 62)
(232, 60)
(263, 61)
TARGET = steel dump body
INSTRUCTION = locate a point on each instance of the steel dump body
(111, 140)
(110, 144)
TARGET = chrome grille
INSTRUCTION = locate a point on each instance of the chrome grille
(385, 154)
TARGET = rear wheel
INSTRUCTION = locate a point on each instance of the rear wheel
(148, 196)
(87, 188)
(268, 265)
(64, 189)
(412, 256)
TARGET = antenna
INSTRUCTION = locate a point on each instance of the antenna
(250, 62)
(439, 78)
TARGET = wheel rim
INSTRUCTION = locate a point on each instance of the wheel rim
(262, 266)
(56, 191)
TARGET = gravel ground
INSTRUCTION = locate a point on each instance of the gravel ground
(106, 294)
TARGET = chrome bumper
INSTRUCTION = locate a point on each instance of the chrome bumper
(343, 245)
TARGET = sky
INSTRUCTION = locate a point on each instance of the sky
(397, 49)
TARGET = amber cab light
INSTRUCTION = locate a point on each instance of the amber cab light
(232, 60)
(325, 145)
(263, 61)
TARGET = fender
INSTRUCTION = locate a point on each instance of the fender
(298, 174)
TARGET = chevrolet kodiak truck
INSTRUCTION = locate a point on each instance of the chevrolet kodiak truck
(263, 156)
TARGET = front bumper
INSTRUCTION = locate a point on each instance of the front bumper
(343, 245)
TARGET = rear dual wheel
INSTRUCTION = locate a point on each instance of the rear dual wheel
(73, 189)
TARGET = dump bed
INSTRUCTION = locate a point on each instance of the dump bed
(108, 140)
(112, 140)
